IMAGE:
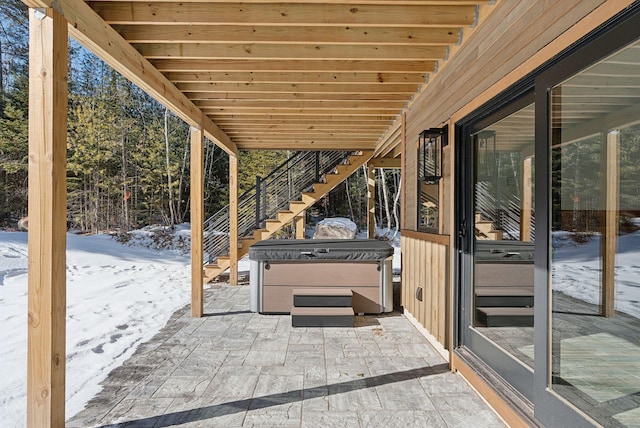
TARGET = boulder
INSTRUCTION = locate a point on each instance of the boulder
(336, 228)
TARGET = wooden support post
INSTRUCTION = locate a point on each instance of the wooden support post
(233, 220)
(371, 202)
(300, 225)
(609, 234)
(526, 200)
(197, 221)
(46, 354)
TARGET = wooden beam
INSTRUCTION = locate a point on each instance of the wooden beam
(298, 111)
(384, 163)
(310, 14)
(354, 78)
(325, 116)
(294, 96)
(197, 221)
(46, 352)
(371, 203)
(374, 88)
(300, 225)
(526, 208)
(609, 232)
(405, 35)
(93, 33)
(266, 135)
(253, 65)
(233, 220)
(325, 52)
(305, 145)
(315, 104)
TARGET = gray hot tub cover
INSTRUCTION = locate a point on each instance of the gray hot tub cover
(320, 249)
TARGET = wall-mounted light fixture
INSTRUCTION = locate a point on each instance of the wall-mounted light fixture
(431, 142)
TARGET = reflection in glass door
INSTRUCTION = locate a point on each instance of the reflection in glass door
(497, 242)
(595, 240)
(503, 226)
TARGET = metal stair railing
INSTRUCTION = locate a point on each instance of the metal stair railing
(270, 194)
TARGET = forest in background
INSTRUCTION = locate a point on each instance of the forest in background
(128, 156)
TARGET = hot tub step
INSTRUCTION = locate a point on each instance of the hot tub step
(322, 297)
(322, 317)
(504, 296)
(505, 317)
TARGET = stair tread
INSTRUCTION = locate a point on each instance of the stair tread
(322, 292)
(322, 311)
(504, 291)
(506, 311)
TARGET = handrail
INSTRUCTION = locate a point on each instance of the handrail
(271, 194)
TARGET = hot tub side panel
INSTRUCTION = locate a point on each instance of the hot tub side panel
(280, 279)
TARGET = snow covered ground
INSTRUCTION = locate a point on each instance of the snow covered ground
(119, 296)
(577, 270)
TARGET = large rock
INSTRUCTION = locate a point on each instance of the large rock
(336, 228)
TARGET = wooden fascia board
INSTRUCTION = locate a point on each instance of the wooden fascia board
(385, 163)
(389, 140)
(91, 31)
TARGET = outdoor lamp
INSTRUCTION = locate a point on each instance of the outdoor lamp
(432, 141)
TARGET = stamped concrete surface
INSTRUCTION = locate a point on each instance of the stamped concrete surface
(234, 368)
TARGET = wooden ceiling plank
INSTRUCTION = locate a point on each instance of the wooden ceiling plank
(261, 51)
(300, 112)
(236, 13)
(354, 78)
(305, 145)
(382, 2)
(91, 31)
(285, 97)
(320, 117)
(302, 104)
(409, 88)
(253, 65)
(261, 122)
(423, 36)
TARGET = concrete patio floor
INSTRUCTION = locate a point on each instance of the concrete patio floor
(234, 368)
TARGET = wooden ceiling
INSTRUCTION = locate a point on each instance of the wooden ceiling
(259, 74)
(299, 74)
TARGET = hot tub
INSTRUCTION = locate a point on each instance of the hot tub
(363, 266)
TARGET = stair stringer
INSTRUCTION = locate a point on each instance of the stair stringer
(342, 172)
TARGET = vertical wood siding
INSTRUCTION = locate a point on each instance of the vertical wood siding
(425, 265)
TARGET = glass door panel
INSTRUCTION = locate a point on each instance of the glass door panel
(595, 239)
(503, 225)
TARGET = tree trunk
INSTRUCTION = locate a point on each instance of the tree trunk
(346, 182)
(125, 190)
(396, 204)
(172, 212)
(181, 215)
(385, 196)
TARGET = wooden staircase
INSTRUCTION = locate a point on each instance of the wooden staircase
(485, 230)
(340, 173)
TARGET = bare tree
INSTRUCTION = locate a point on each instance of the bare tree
(172, 211)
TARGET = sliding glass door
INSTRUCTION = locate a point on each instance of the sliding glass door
(500, 236)
(595, 238)
(548, 224)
